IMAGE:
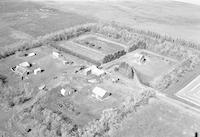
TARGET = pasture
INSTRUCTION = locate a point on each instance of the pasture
(159, 119)
(20, 20)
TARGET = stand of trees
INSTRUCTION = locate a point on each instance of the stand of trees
(43, 122)
(113, 56)
(186, 52)
(12, 96)
(45, 40)
(111, 119)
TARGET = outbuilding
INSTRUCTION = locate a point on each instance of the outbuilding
(31, 54)
(63, 91)
(99, 93)
(94, 70)
(20, 70)
(56, 54)
(25, 64)
(139, 58)
(42, 87)
(67, 91)
(37, 71)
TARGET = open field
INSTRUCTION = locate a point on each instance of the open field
(159, 119)
(172, 18)
(21, 20)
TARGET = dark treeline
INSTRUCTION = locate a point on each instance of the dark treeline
(45, 40)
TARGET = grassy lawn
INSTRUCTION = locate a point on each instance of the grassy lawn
(159, 120)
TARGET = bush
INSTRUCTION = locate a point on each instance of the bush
(111, 119)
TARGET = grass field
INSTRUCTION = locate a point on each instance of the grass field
(25, 20)
(159, 119)
(173, 18)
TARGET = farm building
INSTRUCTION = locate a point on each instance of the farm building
(31, 54)
(99, 93)
(67, 90)
(42, 87)
(56, 54)
(139, 58)
(19, 70)
(25, 64)
(94, 70)
(36, 71)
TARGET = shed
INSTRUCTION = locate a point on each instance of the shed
(37, 70)
(56, 54)
(63, 91)
(94, 70)
(41, 87)
(139, 58)
(99, 93)
(67, 91)
(25, 64)
(31, 54)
